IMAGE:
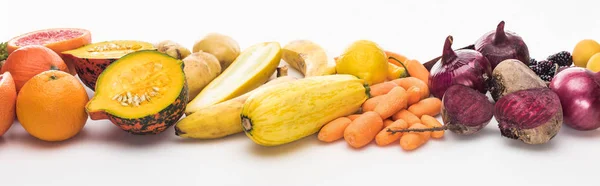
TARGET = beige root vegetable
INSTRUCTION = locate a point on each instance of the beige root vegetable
(200, 69)
(223, 47)
(173, 49)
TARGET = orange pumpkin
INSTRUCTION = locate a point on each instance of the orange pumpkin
(28, 61)
(8, 97)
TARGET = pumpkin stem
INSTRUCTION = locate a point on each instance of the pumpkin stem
(52, 67)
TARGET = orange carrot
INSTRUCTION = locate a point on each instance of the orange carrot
(408, 82)
(407, 116)
(353, 116)
(417, 69)
(431, 122)
(371, 103)
(387, 122)
(382, 88)
(385, 138)
(334, 130)
(414, 95)
(392, 102)
(363, 129)
(411, 141)
(429, 106)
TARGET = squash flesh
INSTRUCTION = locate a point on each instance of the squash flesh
(109, 49)
(152, 74)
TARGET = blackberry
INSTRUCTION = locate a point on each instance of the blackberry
(537, 69)
(546, 77)
(545, 66)
(532, 61)
(562, 58)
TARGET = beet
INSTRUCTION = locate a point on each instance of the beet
(466, 109)
(512, 75)
(466, 67)
(499, 45)
(533, 116)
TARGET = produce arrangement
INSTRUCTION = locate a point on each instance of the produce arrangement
(366, 94)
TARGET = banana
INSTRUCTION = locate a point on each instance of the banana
(220, 120)
(308, 58)
(290, 111)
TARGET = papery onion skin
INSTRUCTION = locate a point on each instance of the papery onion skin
(499, 45)
(579, 92)
(466, 67)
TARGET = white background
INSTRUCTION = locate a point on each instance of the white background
(102, 154)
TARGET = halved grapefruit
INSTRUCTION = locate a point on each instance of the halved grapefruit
(57, 39)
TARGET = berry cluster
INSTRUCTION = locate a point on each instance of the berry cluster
(547, 68)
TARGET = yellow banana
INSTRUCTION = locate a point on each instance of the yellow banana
(290, 111)
(308, 58)
(220, 120)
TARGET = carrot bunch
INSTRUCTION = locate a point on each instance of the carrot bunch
(402, 103)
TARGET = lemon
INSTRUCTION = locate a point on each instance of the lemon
(365, 60)
(583, 51)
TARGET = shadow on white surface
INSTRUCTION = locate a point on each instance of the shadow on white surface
(486, 132)
(120, 137)
(282, 150)
(566, 130)
(234, 137)
(551, 145)
(19, 135)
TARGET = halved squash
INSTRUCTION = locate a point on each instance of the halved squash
(144, 92)
(92, 59)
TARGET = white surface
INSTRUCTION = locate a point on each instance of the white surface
(102, 154)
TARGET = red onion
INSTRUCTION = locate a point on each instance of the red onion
(466, 67)
(579, 92)
(533, 116)
(499, 45)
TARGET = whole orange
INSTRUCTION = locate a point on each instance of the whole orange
(8, 97)
(28, 61)
(51, 106)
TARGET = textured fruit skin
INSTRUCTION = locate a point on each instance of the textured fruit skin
(26, 62)
(8, 98)
(151, 124)
(51, 106)
(89, 69)
(365, 60)
(290, 111)
(219, 120)
(512, 75)
(583, 50)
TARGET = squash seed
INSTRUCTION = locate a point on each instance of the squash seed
(124, 104)
(128, 94)
(116, 97)
(156, 89)
(120, 99)
(143, 98)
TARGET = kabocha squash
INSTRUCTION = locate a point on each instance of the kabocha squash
(290, 111)
(92, 59)
(144, 92)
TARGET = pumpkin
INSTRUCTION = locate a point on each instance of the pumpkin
(144, 92)
(92, 59)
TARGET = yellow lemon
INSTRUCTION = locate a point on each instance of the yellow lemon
(365, 60)
(594, 63)
(583, 51)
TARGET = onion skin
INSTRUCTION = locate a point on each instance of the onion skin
(579, 92)
(533, 116)
(499, 45)
(465, 110)
(465, 67)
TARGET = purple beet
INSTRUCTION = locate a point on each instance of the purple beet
(464, 111)
(499, 45)
(533, 116)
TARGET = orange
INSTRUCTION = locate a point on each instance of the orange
(583, 51)
(28, 61)
(51, 106)
(8, 97)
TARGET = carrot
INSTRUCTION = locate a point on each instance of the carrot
(371, 103)
(382, 88)
(417, 69)
(429, 106)
(353, 116)
(334, 130)
(425, 134)
(431, 122)
(363, 129)
(385, 138)
(411, 141)
(414, 95)
(395, 58)
(408, 82)
(387, 122)
(392, 102)
(407, 116)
